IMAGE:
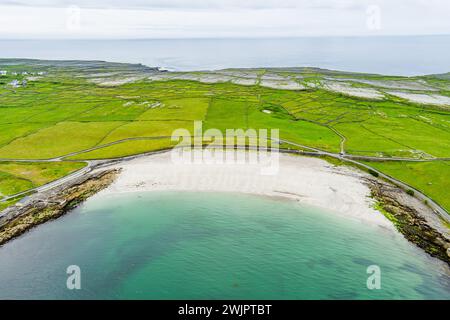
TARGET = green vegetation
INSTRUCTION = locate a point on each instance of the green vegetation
(58, 140)
(432, 178)
(123, 149)
(76, 111)
(7, 203)
(373, 172)
(142, 129)
(379, 207)
(18, 177)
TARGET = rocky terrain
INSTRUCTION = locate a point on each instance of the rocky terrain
(421, 227)
(51, 204)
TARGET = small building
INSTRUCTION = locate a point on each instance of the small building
(24, 73)
(24, 83)
(14, 83)
(3, 72)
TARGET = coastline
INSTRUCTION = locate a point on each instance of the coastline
(307, 180)
(51, 204)
(342, 190)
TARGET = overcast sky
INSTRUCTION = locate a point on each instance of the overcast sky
(220, 18)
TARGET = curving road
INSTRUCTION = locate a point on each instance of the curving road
(311, 152)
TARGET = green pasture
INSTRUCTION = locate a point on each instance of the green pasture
(65, 114)
(432, 178)
(126, 148)
(17, 177)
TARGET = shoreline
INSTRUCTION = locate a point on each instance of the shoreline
(51, 204)
(342, 190)
(346, 191)
(307, 180)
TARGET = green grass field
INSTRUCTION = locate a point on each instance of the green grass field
(63, 113)
(431, 178)
(17, 177)
(123, 149)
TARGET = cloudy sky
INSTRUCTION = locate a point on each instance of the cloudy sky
(220, 18)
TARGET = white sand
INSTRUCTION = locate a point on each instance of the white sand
(309, 181)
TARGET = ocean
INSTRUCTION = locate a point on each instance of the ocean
(394, 55)
(186, 245)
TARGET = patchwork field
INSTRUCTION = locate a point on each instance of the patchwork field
(97, 110)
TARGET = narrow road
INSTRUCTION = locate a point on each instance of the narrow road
(418, 194)
(346, 155)
(343, 139)
(312, 152)
(52, 184)
(62, 158)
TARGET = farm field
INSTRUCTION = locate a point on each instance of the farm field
(16, 177)
(428, 177)
(98, 110)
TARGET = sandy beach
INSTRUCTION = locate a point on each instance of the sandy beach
(309, 181)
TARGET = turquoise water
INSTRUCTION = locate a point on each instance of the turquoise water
(215, 245)
(399, 55)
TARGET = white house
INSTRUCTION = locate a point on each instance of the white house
(14, 83)
(3, 72)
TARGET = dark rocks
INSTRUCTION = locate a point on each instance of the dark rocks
(410, 222)
(40, 208)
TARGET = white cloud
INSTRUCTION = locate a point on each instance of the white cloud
(218, 18)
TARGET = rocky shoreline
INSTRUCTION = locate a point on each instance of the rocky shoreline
(52, 204)
(342, 189)
(414, 219)
(417, 222)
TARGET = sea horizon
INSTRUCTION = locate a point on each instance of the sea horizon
(387, 55)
